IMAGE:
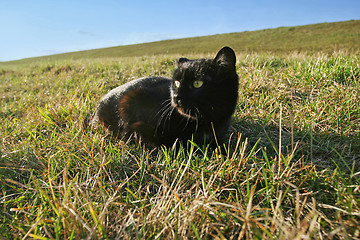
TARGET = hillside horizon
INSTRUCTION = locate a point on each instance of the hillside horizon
(319, 37)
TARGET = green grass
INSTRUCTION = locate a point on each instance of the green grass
(290, 169)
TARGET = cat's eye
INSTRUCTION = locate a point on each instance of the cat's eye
(198, 83)
(177, 84)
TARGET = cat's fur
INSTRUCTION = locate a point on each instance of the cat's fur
(161, 111)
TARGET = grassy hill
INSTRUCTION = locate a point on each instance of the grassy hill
(325, 37)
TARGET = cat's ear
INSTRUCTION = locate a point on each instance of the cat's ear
(226, 57)
(181, 61)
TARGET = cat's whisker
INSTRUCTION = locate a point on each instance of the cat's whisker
(165, 105)
(188, 117)
(163, 111)
(168, 115)
(197, 113)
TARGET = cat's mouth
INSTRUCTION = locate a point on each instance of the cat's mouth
(184, 113)
(177, 104)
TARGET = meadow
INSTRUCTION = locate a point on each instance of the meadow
(290, 170)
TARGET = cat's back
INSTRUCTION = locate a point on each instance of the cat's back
(141, 84)
(107, 112)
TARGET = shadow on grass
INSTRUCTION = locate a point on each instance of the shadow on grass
(324, 150)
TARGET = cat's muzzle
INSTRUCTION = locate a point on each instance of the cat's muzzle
(176, 102)
(179, 106)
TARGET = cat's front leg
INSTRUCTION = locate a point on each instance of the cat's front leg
(144, 133)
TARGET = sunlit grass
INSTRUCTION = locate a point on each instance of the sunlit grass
(290, 169)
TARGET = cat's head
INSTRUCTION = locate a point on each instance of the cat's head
(206, 89)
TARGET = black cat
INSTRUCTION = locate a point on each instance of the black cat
(197, 104)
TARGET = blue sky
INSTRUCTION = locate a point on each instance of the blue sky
(43, 27)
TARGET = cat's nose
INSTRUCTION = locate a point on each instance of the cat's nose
(177, 100)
